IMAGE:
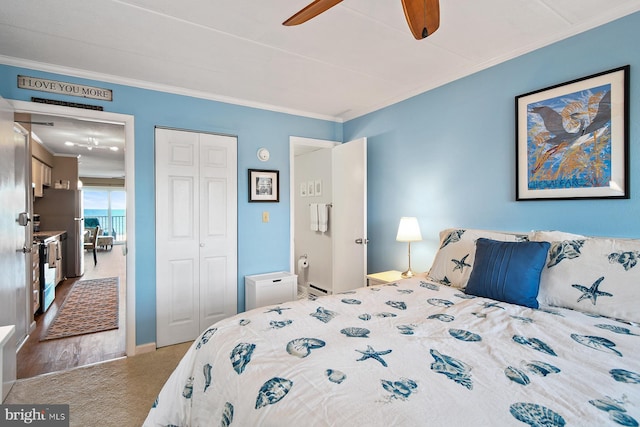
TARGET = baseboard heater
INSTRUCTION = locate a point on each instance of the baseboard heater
(312, 286)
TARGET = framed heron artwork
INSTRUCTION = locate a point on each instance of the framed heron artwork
(572, 139)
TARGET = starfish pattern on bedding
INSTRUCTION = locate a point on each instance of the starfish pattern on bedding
(592, 293)
(492, 304)
(277, 309)
(370, 353)
(460, 264)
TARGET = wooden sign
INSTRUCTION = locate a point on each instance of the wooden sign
(63, 88)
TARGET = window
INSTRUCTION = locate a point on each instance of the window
(106, 208)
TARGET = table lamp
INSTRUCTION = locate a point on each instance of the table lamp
(408, 231)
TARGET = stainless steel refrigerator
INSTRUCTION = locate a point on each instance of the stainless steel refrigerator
(63, 210)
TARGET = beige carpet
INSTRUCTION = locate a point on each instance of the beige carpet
(91, 306)
(116, 393)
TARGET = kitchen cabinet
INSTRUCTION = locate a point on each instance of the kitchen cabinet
(40, 176)
(46, 175)
(36, 177)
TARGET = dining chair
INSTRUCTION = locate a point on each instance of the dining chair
(90, 240)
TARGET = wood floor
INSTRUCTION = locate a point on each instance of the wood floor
(39, 357)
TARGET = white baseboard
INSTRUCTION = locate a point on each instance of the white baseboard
(146, 348)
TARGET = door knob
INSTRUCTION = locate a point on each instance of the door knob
(24, 250)
(23, 219)
(362, 241)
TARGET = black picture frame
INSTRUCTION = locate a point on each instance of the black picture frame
(264, 185)
(572, 139)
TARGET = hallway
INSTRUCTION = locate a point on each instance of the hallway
(39, 357)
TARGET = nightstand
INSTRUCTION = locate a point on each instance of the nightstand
(383, 278)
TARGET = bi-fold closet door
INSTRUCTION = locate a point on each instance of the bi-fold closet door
(196, 232)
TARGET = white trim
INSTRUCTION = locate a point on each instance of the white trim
(146, 348)
(92, 75)
(129, 166)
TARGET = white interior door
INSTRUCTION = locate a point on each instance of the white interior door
(196, 232)
(12, 259)
(23, 232)
(349, 215)
(218, 228)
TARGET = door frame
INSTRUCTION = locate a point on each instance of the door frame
(129, 163)
(295, 142)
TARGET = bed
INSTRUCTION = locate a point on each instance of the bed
(436, 349)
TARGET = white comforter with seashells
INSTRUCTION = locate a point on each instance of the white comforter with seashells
(412, 353)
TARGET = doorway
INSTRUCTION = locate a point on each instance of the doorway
(310, 161)
(328, 179)
(127, 251)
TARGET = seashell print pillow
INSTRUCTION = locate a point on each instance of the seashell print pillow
(553, 235)
(454, 260)
(593, 275)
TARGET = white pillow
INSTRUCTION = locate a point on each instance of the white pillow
(454, 260)
(553, 236)
(593, 275)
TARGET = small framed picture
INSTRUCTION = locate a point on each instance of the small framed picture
(311, 188)
(318, 187)
(264, 185)
(303, 189)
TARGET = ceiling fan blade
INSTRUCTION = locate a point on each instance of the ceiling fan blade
(423, 16)
(311, 11)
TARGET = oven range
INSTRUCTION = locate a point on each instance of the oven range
(50, 251)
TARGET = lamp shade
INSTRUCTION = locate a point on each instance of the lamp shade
(409, 230)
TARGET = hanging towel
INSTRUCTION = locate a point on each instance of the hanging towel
(52, 253)
(313, 216)
(323, 217)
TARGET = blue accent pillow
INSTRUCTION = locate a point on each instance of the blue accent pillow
(508, 271)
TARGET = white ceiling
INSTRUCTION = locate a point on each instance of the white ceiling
(353, 59)
(99, 162)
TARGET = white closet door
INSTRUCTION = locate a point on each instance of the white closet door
(195, 233)
(218, 228)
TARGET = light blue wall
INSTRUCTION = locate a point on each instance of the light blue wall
(447, 155)
(262, 247)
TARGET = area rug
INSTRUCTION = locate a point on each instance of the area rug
(91, 306)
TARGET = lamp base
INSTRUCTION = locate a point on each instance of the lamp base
(407, 274)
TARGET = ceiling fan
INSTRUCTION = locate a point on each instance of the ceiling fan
(423, 16)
